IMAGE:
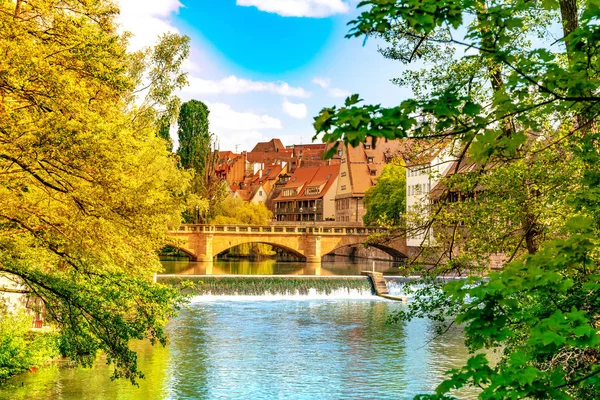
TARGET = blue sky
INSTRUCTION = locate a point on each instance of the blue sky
(266, 67)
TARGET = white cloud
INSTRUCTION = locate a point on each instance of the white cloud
(234, 85)
(298, 8)
(223, 118)
(337, 92)
(323, 82)
(239, 128)
(147, 20)
(295, 110)
(331, 91)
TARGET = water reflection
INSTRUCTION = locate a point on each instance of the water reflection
(331, 265)
(300, 349)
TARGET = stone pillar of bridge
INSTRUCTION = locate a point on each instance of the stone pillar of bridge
(313, 249)
(204, 247)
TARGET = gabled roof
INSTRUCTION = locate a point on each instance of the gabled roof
(272, 145)
(363, 161)
(323, 176)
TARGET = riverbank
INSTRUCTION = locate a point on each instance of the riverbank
(21, 347)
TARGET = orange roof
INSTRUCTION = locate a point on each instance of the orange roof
(322, 176)
(271, 145)
(311, 146)
(362, 178)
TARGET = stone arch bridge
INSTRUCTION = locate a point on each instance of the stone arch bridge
(204, 242)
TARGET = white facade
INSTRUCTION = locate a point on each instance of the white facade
(420, 179)
(260, 196)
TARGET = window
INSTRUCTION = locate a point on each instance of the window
(306, 158)
(328, 176)
(260, 192)
(312, 191)
(373, 172)
(294, 180)
(367, 146)
(370, 159)
(343, 187)
(339, 152)
(343, 174)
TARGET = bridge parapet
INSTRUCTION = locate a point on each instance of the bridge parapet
(280, 229)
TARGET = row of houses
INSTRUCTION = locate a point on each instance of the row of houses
(297, 184)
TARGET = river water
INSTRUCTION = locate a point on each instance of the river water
(271, 347)
(331, 265)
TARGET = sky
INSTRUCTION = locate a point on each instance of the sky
(265, 68)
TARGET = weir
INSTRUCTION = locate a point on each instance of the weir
(277, 285)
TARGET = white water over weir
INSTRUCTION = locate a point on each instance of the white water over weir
(204, 288)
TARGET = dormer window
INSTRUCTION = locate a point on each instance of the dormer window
(369, 159)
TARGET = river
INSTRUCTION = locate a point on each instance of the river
(270, 347)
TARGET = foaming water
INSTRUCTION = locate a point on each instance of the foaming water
(313, 294)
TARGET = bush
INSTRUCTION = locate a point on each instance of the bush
(20, 348)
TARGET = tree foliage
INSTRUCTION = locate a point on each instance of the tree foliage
(524, 118)
(87, 189)
(233, 210)
(21, 349)
(196, 154)
(386, 201)
(194, 139)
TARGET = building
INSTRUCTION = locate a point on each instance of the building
(424, 170)
(307, 195)
(359, 169)
(231, 167)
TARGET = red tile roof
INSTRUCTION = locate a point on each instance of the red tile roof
(302, 178)
(272, 145)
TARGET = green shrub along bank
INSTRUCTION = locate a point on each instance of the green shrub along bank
(256, 286)
(20, 348)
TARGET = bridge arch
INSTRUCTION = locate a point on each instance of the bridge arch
(290, 250)
(396, 254)
(188, 252)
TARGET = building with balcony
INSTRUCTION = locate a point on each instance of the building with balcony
(360, 167)
(308, 195)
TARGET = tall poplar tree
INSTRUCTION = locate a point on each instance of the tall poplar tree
(196, 154)
(194, 138)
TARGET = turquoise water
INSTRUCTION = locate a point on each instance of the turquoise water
(271, 347)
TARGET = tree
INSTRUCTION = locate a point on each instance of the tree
(194, 139)
(197, 155)
(386, 201)
(513, 109)
(233, 210)
(87, 189)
